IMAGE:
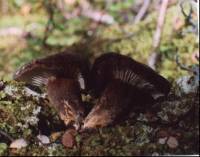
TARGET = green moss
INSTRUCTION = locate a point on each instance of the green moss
(139, 44)
(132, 137)
(3, 148)
(20, 112)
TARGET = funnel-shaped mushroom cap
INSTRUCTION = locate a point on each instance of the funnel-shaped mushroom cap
(63, 75)
(111, 66)
(61, 65)
(116, 102)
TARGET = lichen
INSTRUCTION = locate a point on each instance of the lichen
(134, 136)
(20, 112)
(24, 115)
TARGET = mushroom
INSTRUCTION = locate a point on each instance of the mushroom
(111, 66)
(123, 85)
(115, 104)
(64, 75)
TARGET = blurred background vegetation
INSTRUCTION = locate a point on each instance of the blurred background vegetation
(30, 29)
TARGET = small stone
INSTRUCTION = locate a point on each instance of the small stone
(172, 142)
(155, 154)
(43, 139)
(162, 140)
(68, 139)
(19, 143)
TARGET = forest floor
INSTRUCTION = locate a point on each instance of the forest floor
(174, 129)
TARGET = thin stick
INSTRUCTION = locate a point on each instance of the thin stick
(142, 11)
(50, 22)
(160, 23)
(6, 135)
(157, 36)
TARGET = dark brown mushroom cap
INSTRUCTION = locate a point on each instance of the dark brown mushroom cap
(61, 65)
(110, 66)
(64, 75)
(116, 102)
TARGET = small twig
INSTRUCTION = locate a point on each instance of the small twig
(6, 135)
(188, 17)
(157, 36)
(14, 31)
(4, 6)
(97, 16)
(160, 24)
(50, 23)
(142, 11)
(153, 59)
(86, 10)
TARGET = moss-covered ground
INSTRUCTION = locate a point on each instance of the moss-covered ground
(174, 129)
